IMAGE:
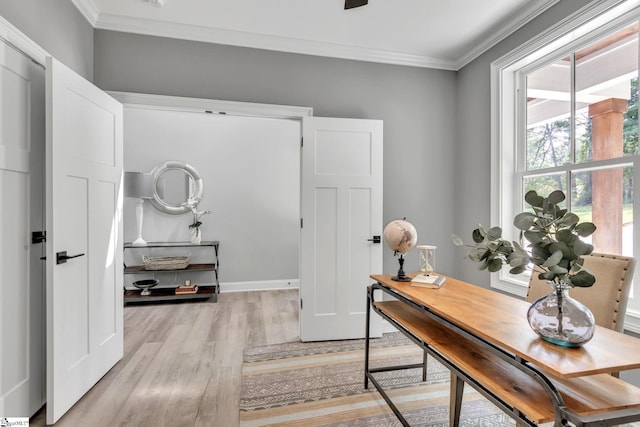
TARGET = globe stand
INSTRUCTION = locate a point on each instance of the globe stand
(401, 277)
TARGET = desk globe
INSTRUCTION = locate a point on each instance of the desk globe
(400, 236)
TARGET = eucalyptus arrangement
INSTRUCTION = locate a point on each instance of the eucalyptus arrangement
(555, 252)
(556, 248)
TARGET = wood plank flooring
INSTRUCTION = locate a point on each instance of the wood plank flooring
(182, 362)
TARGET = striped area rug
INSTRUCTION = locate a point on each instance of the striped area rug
(322, 384)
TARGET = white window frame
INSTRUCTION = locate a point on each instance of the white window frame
(507, 79)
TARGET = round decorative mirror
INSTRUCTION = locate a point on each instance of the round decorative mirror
(176, 187)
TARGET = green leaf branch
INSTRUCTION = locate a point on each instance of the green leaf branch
(555, 249)
(196, 217)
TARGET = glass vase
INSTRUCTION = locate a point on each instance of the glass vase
(560, 319)
(196, 236)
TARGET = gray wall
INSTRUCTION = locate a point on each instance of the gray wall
(58, 27)
(473, 137)
(417, 106)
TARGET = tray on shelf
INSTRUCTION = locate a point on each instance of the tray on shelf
(191, 267)
(165, 262)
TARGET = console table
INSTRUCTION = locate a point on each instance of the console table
(163, 294)
(484, 339)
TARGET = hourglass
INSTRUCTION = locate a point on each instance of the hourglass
(425, 277)
(427, 257)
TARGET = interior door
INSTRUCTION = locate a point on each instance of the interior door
(83, 210)
(341, 214)
(21, 212)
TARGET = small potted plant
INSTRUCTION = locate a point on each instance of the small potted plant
(555, 252)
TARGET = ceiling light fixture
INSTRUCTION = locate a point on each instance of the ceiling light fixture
(350, 4)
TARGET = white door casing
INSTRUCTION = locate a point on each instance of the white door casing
(341, 211)
(84, 215)
(22, 138)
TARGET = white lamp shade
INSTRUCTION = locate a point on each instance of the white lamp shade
(138, 185)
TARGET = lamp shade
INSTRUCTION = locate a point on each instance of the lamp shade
(138, 185)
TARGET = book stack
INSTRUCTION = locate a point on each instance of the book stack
(428, 281)
(187, 288)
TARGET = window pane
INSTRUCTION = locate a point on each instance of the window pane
(605, 197)
(548, 114)
(544, 185)
(606, 97)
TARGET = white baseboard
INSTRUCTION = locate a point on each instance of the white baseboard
(260, 285)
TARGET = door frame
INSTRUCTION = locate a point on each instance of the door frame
(233, 108)
(19, 40)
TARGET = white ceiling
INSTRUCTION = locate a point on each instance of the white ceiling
(444, 34)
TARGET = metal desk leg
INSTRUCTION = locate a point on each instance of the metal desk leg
(424, 368)
(366, 340)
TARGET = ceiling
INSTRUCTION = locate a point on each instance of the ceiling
(444, 34)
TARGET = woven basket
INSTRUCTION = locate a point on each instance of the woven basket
(165, 262)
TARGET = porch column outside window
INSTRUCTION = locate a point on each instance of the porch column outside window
(607, 141)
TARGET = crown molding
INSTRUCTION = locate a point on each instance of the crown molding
(263, 41)
(88, 9)
(507, 27)
(306, 47)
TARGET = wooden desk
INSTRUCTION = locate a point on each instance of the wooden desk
(484, 339)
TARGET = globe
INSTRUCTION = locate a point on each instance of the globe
(400, 236)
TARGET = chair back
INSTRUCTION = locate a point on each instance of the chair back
(607, 298)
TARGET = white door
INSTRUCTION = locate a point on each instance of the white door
(341, 212)
(21, 213)
(83, 206)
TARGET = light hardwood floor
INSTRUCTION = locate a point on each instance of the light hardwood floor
(182, 362)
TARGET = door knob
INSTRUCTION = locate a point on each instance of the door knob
(62, 257)
(376, 239)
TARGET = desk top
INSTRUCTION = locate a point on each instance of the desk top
(502, 320)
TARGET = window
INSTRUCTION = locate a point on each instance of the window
(582, 134)
(565, 116)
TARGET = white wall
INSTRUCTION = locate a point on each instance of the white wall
(251, 172)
